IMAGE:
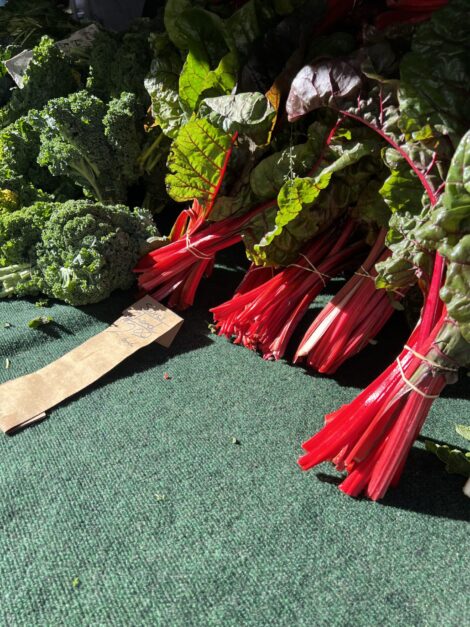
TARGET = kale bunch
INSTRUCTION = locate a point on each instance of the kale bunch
(118, 63)
(77, 251)
(94, 144)
(49, 75)
(20, 172)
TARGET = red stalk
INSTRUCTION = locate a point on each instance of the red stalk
(178, 267)
(223, 170)
(372, 436)
(350, 320)
(264, 317)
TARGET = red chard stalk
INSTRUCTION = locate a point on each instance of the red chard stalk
(370, 437)
(175, 270)
(351, 319)
(264, 317)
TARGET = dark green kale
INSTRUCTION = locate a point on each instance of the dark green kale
(77, 251)
(94, 144)
(119, 63)
(49, 75)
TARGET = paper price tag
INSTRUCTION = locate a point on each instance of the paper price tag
(26, 399)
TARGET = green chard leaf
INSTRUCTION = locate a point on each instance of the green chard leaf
(271, 173)
(435, 75)
(193, 28)
(243, 28)
(238, 32)
(162, 86)
(308, 205)
(403, 193)
(173, 11)
(447, 230)
(198, 81)
(196, 161)
(249, 114)
(371, 207)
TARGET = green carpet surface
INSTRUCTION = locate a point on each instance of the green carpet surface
(178, 501)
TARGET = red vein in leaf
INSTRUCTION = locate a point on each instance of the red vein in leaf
(426, 184)
(223, 170)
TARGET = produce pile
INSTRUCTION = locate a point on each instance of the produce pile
(329, 138)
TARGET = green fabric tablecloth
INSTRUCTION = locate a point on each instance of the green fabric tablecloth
(133, 505)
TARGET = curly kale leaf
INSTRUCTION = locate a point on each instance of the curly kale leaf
(19, 170)
(20, 231)
(96, 145)
(89, 250)
(119, 63)
(76, 251)
(49, 75)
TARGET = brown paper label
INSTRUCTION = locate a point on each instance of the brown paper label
(26, 399)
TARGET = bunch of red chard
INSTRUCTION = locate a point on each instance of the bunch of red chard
(176, 269)
(377, 133)
(370, 437)
(264, 317)
(351, 320)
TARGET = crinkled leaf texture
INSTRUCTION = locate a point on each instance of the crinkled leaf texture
(308, 205)
(435, 75)
(371, 207)
(403, 193)
(271, 173)
(196, 161)
(88, 250)
(249, 114)
(448, 231)
(162, 86)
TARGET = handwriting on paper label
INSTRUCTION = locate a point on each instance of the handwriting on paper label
(141, 324)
